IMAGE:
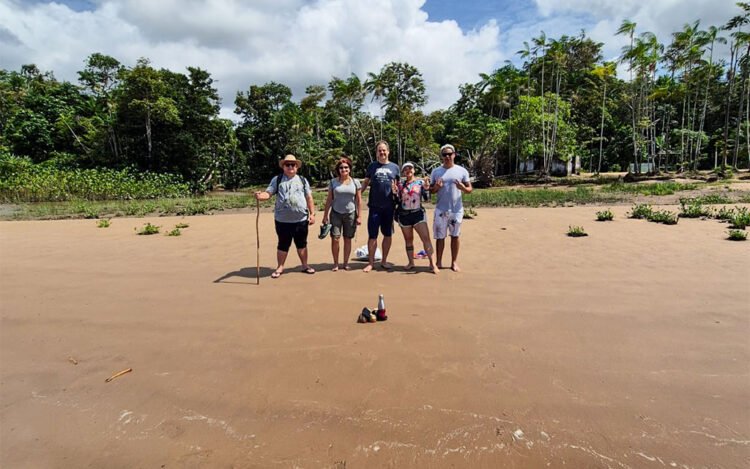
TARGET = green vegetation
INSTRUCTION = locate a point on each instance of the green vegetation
(105, 223)
(576, 231)
(181, 225)
(148, 229)
(737, 235)
(535, 197)
(658, 188)
(740, 218)
(663, 216)
(133, 131)
(22, 181)
(640, 211)
(605, 215)
(175, 232)
(709, 199)
(690, 208)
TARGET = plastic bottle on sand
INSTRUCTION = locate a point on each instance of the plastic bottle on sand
(381, 309)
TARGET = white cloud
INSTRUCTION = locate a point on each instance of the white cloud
(304, 42)
(294, 42)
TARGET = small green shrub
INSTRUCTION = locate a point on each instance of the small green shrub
(605, 215)
(740, 218)
(641, 211)
(103, 223)
(149, 229)
(693, 209)
(576, 231)
(737, 235)
(615, 168)
(663, 216)
(724, 213)
(174, 232)
(181, 225)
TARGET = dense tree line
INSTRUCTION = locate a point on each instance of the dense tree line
(677, 108)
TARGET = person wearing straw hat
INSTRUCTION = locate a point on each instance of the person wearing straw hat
(293, 213)
(343, 208)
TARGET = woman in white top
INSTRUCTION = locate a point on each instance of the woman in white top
(344, 202)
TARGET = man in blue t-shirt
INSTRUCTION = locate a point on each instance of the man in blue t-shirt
(450, 181)
(379, 177)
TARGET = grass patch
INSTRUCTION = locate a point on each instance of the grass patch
(536, 197)
(657, 188)
(709, 199)
(105, 223)
(182, 225)
(737, 235)
(605, 215)
(576, 231)
(149, 229)
(175, 232)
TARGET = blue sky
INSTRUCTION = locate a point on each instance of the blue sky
(304, 42)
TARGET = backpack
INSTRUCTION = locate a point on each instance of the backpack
(305, 184)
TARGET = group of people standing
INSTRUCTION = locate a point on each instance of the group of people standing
(390, 198)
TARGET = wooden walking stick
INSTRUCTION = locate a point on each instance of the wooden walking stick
(257, 239)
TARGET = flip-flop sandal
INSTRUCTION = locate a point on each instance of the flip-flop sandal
(276, 275)
(309, 270)
(325, 228)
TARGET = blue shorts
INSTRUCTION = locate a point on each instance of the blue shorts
(380, 218)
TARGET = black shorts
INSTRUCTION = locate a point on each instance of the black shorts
(291, 231)
(408, 218)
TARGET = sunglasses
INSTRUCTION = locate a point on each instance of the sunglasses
(447, 154)
(344, 167)
(290, 165)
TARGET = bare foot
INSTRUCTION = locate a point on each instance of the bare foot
(434, 269)
(408, 267)
(346, 267)
(386, 265)
(455, 267)
(440, 266)
(335, 268)
(277, 273)
(367, 268)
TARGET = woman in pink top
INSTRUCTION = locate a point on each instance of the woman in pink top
(411, 215)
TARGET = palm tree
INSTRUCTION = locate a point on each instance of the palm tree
(628, 28)
(603, 72)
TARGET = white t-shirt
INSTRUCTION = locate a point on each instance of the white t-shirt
(449, 196)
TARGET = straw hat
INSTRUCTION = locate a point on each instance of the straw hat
(291, 158)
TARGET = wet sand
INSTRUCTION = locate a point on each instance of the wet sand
(626, 348)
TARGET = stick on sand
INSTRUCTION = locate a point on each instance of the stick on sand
(257, 239)
(116, 375)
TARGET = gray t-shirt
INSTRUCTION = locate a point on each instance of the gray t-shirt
(344, 195)
(291, 201)
(449, 196)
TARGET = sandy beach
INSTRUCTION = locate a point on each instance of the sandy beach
(629, 348)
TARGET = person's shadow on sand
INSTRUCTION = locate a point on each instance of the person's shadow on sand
(265, 272)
